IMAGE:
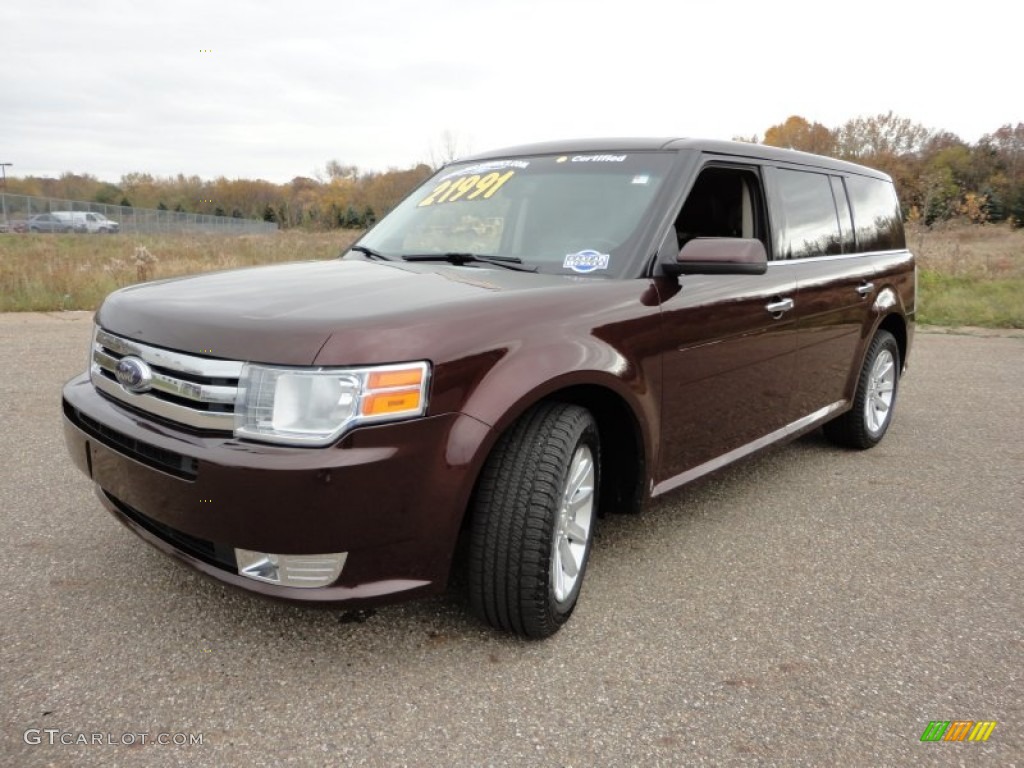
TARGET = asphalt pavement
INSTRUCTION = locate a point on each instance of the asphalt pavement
(810, 606)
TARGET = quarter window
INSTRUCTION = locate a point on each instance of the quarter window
(876, 214)
(810, 225)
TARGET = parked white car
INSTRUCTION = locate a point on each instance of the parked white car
(88, 221)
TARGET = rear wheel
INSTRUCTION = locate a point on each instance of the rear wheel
(864, 425)
(533, 521)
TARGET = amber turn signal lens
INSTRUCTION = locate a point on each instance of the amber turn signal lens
(391, 402)
(408, 377)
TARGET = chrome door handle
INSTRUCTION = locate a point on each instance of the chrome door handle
(865, 288)
(780, 306)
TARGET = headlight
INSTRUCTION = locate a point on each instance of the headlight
(314, 406)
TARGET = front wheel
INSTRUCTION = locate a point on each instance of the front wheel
(533, 521)
(864, 425)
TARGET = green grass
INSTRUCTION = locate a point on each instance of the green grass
(989, 303)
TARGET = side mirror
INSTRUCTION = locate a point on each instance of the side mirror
(720, 256)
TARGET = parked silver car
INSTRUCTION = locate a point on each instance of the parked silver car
(88, 221)
(47, 222)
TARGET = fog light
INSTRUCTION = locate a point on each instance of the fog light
(290, 570)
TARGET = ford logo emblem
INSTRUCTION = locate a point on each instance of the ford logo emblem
(134, 375)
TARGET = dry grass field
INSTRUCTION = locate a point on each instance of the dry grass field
(970, 274)
(51, 272)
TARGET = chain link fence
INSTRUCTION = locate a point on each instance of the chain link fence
(25, 213)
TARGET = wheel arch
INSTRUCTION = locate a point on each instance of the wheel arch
(896, 324)
(624, 452)
(623, 466)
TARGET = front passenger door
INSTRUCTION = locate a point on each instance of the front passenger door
(729, 340)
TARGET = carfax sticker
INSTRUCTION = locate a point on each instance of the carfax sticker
(586, 261)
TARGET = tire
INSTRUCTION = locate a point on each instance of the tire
(532, 523)
(864, 425)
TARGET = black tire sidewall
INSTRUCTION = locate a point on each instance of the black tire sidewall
(516, 508)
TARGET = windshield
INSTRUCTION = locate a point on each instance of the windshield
(567, 214)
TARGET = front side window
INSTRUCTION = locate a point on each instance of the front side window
(810, 225)
(573, 213)
(725, 201)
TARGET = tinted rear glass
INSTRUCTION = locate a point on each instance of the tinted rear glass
(810, 224)
(876, 214)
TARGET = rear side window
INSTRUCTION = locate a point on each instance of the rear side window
(810, 225)
(876, 214)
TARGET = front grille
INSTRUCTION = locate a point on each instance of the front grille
(209, 552)
(185, 467)
(192, 391)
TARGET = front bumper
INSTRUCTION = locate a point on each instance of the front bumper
(391, 496)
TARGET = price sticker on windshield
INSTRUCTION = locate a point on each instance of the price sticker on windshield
(473, 187)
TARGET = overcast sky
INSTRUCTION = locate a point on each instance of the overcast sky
(108, 88)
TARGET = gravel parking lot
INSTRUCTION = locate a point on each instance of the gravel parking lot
(811, 606)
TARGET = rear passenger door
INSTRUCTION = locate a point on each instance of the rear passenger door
(815, 243)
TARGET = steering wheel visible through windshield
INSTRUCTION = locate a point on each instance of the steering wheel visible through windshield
(568, 214)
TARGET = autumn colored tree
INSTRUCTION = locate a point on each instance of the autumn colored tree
(937, 175)
(1005, 185)
(885, 135)
(798, 133)
(108, 194)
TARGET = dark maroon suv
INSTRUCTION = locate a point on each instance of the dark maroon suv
(533, 338)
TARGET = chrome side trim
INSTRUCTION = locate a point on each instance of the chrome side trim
(835, 257)
(808, 421)
(172, 411)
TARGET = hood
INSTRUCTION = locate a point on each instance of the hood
(286, 314)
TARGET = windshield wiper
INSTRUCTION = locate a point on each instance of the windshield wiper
(460, 259)
(369, 252)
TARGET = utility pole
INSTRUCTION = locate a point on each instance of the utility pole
(3, 195)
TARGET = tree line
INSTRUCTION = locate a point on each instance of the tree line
(341, 196)
(938, 175)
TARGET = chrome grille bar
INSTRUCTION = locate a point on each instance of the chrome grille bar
(208, 402)
(165, 358)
